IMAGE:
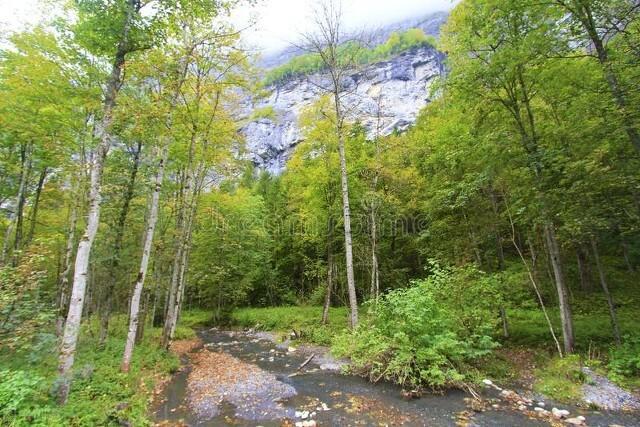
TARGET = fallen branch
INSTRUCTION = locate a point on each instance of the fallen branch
(306, 362)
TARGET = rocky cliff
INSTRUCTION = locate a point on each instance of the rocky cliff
(384, 97)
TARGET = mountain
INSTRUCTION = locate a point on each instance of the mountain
(385, 97)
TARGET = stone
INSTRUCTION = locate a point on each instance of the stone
(559, 413)
(541, 404)
(398, 86)
(522, 408)
(487, 382)
(574, 421)
(291, 349)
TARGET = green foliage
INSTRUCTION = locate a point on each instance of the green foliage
(311, 62)
(267, 112)
(24, 314)
(624, 361)
(561, 379)
(419, 337)
(304, 319)
(17, 390)
(101, 394)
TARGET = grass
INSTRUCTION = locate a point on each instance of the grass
(100, 393)
(561, 379)
(592, 330)
(305, 319)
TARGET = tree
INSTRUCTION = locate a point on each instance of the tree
(326, 43)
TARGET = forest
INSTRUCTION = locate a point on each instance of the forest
(503, 226)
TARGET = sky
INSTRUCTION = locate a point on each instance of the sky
(276, 23)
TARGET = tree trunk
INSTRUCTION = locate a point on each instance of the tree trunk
(584, 270)
(327, 295)
(36, 203)
(505, 322)
(561, 287)
(76, 303)
(348, 244)
(583, 12)
(144, 263)
(375, 281)
(114, 267)
(63, 279)
(605, 289)
(627, 257)
(25, 170)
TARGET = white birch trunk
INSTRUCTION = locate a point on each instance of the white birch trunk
(76, 302)
(144, 263)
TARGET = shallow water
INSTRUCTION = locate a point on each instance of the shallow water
(352, 401)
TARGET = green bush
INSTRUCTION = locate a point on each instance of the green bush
(425, 335)
(624, 361)
(17, 391)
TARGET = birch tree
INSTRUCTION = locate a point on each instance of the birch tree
(326, 41)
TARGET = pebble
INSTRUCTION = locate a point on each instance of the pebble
(522, 408)
(302, 414)
(541, 404)
(559, 413)
(291, 349)
(487, 382)
(575, 421)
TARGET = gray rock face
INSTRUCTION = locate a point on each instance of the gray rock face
(384, 97)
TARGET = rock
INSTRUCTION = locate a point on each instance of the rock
(291, 349)
(575, 421)
(495, 406)
(522, 408)
(539, 409)
(600, 392)
(309, 423)
(487, 382)
(559, 413)
(580, 417)
(541, 404)
(398, 86)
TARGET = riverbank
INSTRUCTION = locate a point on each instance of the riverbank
(526, 360)
(249, 378)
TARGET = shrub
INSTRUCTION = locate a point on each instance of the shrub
(624, 361)
(424, 335)
(17, 390)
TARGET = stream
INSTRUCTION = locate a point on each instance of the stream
(267, 389)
